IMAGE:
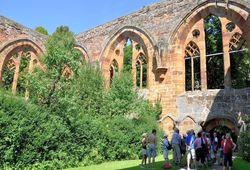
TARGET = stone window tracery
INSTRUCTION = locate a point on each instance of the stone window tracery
(192, 67)
(236, 42)
(113, 70)
(141, 71)
(239, 62)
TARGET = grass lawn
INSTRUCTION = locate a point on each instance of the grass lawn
(123, 165)
(240, 164)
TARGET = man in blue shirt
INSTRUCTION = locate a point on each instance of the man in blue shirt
(190, 148)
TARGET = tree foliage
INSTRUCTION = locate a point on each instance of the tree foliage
(60, 54)
(215, 64)
(41, 30)
(243, 141)
(128, 58)
(72, 121)
(239, 61)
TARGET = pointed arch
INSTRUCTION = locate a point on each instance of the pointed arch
(167, 124)
(192, 67)
(236, 14)
(189, 117)
(17, 58)
(117, 42)
(186, 124)
(216, 122)
(83, 52)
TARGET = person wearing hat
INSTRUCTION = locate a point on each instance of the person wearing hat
(144, 143)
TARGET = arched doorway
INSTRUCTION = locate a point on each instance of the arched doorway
(222, 126)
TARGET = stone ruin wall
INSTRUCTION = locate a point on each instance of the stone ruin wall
(160, 21)
(11, 31)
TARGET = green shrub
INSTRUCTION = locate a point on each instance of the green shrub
(72, 121)
(243, 141)
(29, 134)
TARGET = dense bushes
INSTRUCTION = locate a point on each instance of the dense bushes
(243, 141)
(72, 121)
(29, 135)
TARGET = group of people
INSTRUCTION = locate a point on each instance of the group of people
(204, 148)
(199, 149)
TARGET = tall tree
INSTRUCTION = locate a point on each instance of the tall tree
(60, 55)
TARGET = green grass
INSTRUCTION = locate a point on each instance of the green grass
(124, 165)
(240, 164)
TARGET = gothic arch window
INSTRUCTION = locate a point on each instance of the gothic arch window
(239, 62)
(16, 66)
(113, 70)
(214, 52)
(141, 71)
(192, 67)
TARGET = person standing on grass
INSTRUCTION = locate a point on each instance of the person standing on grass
(208, 146)
(176, 143)
(228, 148)
(214, 144)
(165, 149)
(152, 148)
(190, 148)
(144, 143)
(199, 152)
(221, 150)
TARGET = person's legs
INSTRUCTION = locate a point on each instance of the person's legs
(230, 161)
(154, 155)
(165, 156)
(149, 160)
(196, 159)
(193, 157)
(174, 153)
(149, 155)
(225, 161)
(178, 153)
(144, 157)
(188, 159)
(153, 162)
(216, 157)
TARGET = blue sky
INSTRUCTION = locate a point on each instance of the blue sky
(79, 15)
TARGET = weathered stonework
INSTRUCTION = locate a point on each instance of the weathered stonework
(162, 30)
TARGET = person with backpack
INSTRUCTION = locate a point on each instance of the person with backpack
(228, 148)
(166, 148)
(199, 149)
(190, 148)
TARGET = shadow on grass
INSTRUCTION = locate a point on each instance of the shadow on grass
(158, 165)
